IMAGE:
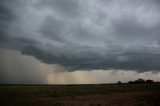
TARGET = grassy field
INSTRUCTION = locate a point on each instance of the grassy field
(84, 95)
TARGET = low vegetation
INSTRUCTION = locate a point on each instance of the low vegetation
(52, 95)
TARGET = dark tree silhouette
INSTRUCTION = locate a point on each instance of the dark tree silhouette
(130, 82)
(119, 82)
(139, 81)
(149, 81)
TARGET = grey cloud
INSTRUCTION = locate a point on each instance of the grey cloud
(62, 7)
(108, 34)
(52, 28)
(6, 16)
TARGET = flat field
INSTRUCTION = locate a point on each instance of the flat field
(81, 95)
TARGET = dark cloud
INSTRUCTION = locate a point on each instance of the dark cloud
(106, 34)
(6, 16)
(52, 28)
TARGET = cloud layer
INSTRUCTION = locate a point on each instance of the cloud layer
(84, 34)
(16, 68)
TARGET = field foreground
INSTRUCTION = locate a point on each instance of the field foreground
(81, 95)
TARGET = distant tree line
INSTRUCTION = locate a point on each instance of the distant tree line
(141, 81)
(138, 81)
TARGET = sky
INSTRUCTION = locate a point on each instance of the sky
(79, 41)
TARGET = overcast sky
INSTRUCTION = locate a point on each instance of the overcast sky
(79, 41)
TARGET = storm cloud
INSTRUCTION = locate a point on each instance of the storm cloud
(84, 34)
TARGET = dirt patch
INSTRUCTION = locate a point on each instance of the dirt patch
(117, 99)
(140, 98)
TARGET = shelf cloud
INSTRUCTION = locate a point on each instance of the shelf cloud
(84, 34)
